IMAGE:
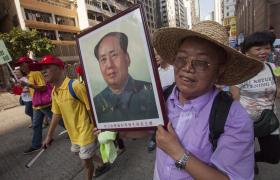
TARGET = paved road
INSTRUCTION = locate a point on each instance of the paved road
(57, 163)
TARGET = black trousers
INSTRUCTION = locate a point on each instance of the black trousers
(269, 149)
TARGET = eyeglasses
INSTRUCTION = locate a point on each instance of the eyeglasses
(197, 65)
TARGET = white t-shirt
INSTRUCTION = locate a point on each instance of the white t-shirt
(166, 76)
(258, 93)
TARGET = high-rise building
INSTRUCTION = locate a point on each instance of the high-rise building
(257, 15)
(150, 13)
(218, 11)
(229, 8)
(173, 13)
(92, 12)
(195, 11)
(229, 19)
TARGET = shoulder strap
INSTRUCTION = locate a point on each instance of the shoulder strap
(218, 117)
(71, 90)
(274, 82)
(168, 91)
(271, 72)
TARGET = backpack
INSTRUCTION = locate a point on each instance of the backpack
(218, 115)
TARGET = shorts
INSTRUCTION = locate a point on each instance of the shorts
(85, 152)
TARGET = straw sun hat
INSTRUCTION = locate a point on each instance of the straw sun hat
(239, 67)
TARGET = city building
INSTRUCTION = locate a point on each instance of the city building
(92, 12)
(172, 13)
(229, 20)
(195, 11)
(219, 11)
(229, 12)
(257, 15)
(229, 8)
(210, 16)
(54, 19)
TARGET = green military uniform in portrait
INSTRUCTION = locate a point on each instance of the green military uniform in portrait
(136, 102)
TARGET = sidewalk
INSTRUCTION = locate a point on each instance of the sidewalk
(8, 100)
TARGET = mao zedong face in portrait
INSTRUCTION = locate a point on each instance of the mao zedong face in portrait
(124, 98)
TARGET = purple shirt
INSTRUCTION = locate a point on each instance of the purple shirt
(234, 154)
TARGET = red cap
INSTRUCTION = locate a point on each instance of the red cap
(50, 59)
(24, 59)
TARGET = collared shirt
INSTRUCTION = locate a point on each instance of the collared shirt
(234, 154)
(74, 112)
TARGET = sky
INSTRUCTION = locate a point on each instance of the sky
(206, 6)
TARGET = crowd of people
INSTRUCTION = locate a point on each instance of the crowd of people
(195, 63)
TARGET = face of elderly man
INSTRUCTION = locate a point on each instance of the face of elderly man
(113, 62)
(196, 67)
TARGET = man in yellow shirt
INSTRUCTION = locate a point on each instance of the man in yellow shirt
(36, 82)
(75, 112)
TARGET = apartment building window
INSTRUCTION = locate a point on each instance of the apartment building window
(113, 9)
(91, 15)
(59, 3)
(66, 36)
(105, 6)
(97, 4)
(47, 33)
(38, 16)
(95, 16)
(100, 18)
(65, 20)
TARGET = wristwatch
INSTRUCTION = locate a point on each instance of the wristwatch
(181, 163)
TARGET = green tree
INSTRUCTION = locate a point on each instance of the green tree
(20, 43)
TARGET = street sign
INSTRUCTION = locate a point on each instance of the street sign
(4, 54)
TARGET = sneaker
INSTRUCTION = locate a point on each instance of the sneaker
(102, 169)
(31, 150)
(151, 145)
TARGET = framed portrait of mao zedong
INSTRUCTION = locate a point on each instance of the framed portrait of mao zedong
(120, 74)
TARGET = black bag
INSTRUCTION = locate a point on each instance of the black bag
(21, 101)
(266, 124)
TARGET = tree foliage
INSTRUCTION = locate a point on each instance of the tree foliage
(20, 43)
